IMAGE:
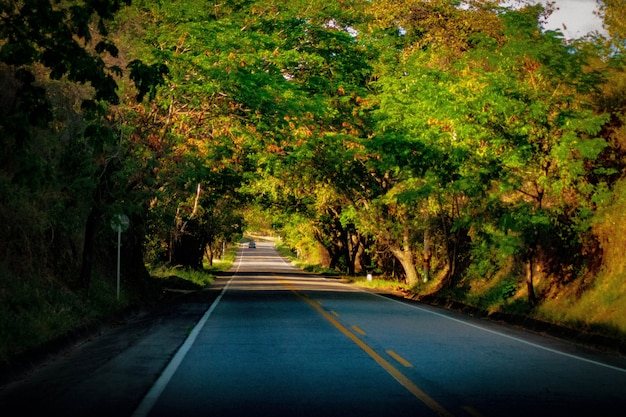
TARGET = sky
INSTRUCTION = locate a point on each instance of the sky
(578, 17)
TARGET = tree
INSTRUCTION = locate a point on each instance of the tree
(496, 117)
(417, 157)
(38, 31)
(323, 74)
(54, 54)
(613, 12)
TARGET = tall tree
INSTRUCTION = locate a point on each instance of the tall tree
(55, 54)
(613, 13)
(494, 115)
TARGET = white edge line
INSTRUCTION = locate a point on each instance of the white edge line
(155, 392)
(517, 339)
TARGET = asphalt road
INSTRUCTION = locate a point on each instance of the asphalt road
(271, 341)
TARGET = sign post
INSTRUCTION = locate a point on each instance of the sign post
(119, 224)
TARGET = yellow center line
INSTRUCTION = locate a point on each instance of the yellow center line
(472, 411)
(334, 313)
(359, 330)
(391, 370)
(400, 359)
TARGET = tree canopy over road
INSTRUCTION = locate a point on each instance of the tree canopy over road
(453, 146)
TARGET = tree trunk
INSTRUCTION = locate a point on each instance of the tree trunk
(188, 249)
(209, 254)
(91, 227)
(532, 298)
(363, 257)
(134, 269)
(426, 255)
(350, 250)
(89, 247)
(451, 242)
(344, 245)
(335, 255)
(405, 257)
(187, 246)
(355, 241)
(406, 260)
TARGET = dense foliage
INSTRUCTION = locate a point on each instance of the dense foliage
(455, 147)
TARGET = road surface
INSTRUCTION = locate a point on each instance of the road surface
(268, 340)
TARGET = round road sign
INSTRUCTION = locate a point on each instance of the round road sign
(120, 222)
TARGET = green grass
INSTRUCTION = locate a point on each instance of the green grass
(182, 278)
(35, 311)
(375, 283)
(379, 284)
(600, 309)
(285, 252)
(224, 264)
(190, 279)
(305, 266)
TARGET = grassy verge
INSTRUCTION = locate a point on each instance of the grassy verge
(36, 312)
(178, 278)
(224, 264)
(379, 284)
(191, 279)
(316, 269)
(566, 313)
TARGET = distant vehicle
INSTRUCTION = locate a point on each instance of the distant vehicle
(252, 245)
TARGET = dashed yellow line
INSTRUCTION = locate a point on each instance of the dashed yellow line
(334, 313)
(359, 330)
(400, 359)
(382, 362)
(472, 411)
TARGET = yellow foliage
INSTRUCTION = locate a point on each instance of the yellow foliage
(611, 231)
(603, 302)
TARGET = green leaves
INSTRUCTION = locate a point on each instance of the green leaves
(38, 31)
(500, 126)
(147, 77)
(368, 121)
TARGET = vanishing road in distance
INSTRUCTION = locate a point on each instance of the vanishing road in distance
(276, 342)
